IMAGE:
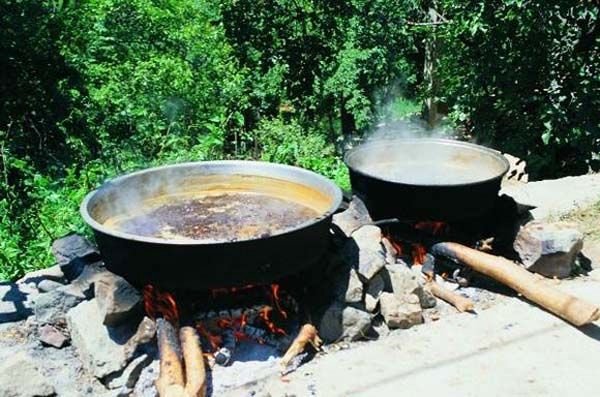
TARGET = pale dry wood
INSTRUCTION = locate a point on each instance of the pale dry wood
(568, 307)
(195, 372)
(308, 335)
(461, 303)
(170, 382)
(171, 390)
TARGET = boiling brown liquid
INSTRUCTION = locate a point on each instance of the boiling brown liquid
(223, 217)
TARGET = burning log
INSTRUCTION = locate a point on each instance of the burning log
(461, 303)
(195, 373)
(574, 310)
(171, 381)
(307, 335)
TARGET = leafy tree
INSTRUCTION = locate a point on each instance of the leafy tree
(524, 76)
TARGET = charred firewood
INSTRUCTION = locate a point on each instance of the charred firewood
(307, 335)
(461, 303)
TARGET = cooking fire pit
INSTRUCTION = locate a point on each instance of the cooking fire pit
(212, 224)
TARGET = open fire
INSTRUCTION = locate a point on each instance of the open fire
(413, 247)
(224, 317)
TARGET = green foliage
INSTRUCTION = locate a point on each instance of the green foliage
(95, 88)
(158, 78)
(524, 77)
(290, 143)
(333, 60)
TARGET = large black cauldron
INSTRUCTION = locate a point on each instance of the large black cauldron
(426, 179)
(212, 224)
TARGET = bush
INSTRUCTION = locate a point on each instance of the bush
(96, 89)
(523, 76)
(290, 143)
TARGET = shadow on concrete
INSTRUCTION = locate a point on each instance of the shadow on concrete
(12, 294)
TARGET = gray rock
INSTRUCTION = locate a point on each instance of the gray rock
(354, 217)
(117, 300)
(355, 323)
(354, 290)
(341, 322)
(400, 311)
(400, 280)
(48, 285)
(51, 307)
(16, 301)
(145, 385)
(50, 336)
(426, 298)
(19, 377)
(549, 249)
(390, 252)
(53, 273)
(145, 333)
(89, 275)
(129, 376)
(72, 253)
(103, 350)
(373, 292)
(364, 251)
(330, 326)
(379, 327)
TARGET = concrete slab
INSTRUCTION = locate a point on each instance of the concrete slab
(513, 349)
(555, 197)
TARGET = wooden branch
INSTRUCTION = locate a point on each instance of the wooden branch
(574, 310)
(307, 335)
(411, 23)
(461, 303)
(170, 379)
(195, 373)
(172, 382)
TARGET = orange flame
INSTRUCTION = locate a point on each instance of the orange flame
(397, 246)
(418, 254)
(277, 301)
(158, 303)
(265, 315)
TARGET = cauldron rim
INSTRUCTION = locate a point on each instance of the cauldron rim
(496, 155)
(326, 186)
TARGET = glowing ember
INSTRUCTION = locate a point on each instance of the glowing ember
(220, 330)
(277, 300)
(418, 254)
(216, 292)
(397, 246)
(432, 227)
(265, 315)
(160, 304)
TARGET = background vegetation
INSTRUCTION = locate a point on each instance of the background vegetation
(94, 88)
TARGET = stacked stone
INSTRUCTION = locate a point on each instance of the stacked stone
(376, 288)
